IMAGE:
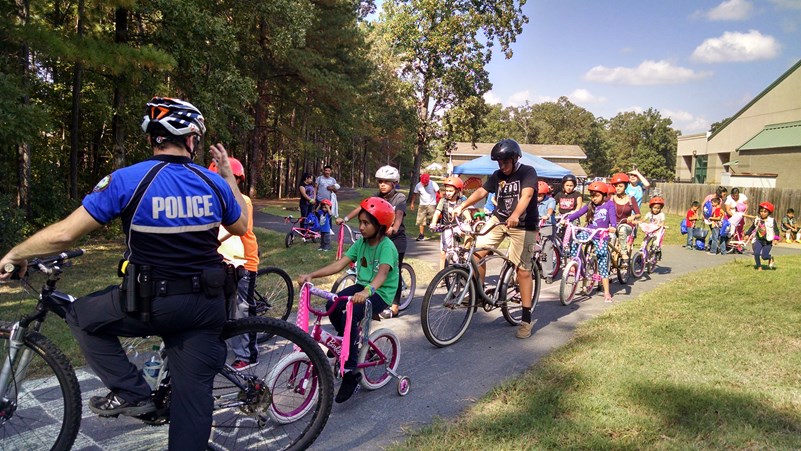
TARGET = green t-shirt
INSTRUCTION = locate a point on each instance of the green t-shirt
(368, 258)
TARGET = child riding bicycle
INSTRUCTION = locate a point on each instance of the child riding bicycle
(453, 198)
(600, 215)
(377, 273)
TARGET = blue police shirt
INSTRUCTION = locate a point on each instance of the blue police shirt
(170, 223)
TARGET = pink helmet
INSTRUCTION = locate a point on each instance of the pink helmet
(236, 167)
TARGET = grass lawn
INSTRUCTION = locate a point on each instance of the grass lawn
(686, 366)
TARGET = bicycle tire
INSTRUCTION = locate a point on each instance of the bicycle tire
(444, 320)
(638, 264)
(650, 264)
(378, 376)
(242, 422)
(590, 268)
(512, 306)
(344, 281)
(289, 239)
(408, 285)
(273, 294)
(48, 380)
(623, 270)
(569, 283)
(553, 256)
(286, 373)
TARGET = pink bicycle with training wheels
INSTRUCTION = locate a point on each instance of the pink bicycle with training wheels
(650, 251)
(379, 354)
(301, 230)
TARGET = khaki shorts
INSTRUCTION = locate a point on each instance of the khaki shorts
(521, 242)
(424, 214)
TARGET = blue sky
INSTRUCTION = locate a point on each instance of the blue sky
(697, 62)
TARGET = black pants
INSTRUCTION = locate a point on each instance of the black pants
(190, 326)
(396, 301)
(338, 318)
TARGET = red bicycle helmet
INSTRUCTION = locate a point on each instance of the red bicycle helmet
(326, 202)
(767, 206)
(381, 210)
(656, 200)
(236, 167)
(610, 189)
(543, 188)
(455, 182)
(619, 178)
(599, 187)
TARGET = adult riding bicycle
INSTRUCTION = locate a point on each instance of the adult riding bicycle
(406, 277)
(379, 350)
(40, 399)
(581, 271)
(456, 292)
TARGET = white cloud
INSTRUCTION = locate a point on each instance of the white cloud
(519, 98)
(737, 47)
(634, 109)
(686, 121)
(491, 98)
(731, 10)
(647, 73)
(582, 96)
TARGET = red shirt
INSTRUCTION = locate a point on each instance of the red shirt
(691, 214)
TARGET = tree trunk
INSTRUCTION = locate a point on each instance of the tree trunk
(24, 149)
(75, 127)
(118, 105)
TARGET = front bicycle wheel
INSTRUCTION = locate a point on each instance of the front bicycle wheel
(284, 398)
(653, 256)
(623, 270)
(591, 282)
(550, 260)
(638, 264)
(382, 353)
(448, 307)
(289, 239)
(511, 307)
(408, 283)
(41, 408)
(570, 279)
(344, 281)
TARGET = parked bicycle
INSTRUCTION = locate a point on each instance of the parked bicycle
(303, 231)
(456, 292)
(650, 251)
(407, 277)
(379, 352)
(581, 270)
(40, 399)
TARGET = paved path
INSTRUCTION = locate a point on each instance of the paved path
(444, 381)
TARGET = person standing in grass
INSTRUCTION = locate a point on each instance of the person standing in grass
(766, 231)
(426, 192)
(692, 217)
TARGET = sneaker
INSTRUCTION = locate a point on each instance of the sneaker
(421, 237)
(524, 329)
(112, 405)
(240, 365)
(772, 264)
(387, 313)
(350, 385)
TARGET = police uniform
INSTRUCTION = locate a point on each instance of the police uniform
(171, 210)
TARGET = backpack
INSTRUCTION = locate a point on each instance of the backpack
(725, 225)
(312, 223)
(707, 210)
(683, 226)
(699, 244)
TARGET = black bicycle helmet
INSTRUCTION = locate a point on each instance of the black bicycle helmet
(570, 178)
(506, 149)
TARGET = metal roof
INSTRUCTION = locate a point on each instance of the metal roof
(570, 151)
(775, 136)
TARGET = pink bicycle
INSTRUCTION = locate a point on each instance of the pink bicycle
(379, 356)
(307, 234)
(581, 270)
(650, 251)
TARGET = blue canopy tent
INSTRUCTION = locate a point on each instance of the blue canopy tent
(485, 166)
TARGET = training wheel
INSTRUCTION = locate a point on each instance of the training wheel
(404, 385)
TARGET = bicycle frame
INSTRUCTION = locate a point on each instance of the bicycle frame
(302, 232)
(571, 234)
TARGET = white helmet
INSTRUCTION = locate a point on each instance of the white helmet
(387, 173)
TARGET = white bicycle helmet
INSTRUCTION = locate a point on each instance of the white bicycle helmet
(387, 173)
(178, 117)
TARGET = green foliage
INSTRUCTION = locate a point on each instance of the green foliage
(645, 141)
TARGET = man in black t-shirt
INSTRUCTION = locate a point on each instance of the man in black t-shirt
(515, 185)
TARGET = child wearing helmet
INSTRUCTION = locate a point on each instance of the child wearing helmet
(324, 218)
(452, 199)
(765, 232)
(627, 210)
(545, 204)
(600, 215)
(241, 251)
(569, 200)
(656, 216)
(377, 276)
(387, 178)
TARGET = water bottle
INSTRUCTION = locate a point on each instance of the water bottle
(152, 369)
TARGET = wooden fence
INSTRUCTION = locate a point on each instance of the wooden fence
(680, 196)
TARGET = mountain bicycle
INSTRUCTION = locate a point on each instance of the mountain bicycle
(581, 270)
(650, 251)
(407, 277)
(379, 352)
(40, 399)
(456, 292)
(305, 233)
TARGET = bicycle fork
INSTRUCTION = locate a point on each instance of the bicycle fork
(15, 342)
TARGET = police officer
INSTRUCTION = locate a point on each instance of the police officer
(171, 211)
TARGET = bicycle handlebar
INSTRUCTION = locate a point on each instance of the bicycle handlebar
(44, 264)
(573, 229)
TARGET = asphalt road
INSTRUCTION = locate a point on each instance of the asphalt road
(444, 381)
